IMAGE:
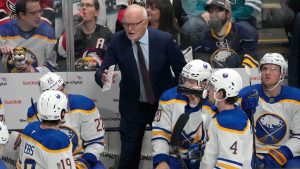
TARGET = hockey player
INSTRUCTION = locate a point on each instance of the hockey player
(43, 146)
(187, 98)
(83, 123)
(230, 136)
(277, 116)
(3, 140)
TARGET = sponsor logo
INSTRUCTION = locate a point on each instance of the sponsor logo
(9, 160)
(30, 83)
(14, 101)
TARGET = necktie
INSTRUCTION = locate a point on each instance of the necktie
(145, 75)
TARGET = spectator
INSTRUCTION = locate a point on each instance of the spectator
(122, 5)
(226, 44)
(42, 144)
(111, 14)
(90, 39)
(275, 112)
(230, 135)
(27, 32)
(184, 100)
(83, 121)
(138, 100)
(243, 13)
(161, 16)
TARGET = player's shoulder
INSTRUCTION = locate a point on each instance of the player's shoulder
(234, 120)
(32, 127)
(80, 102)
(290, 93)
(51, 140)
(172, 95)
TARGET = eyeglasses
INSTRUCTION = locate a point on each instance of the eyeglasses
(35, 12)
(87, 5)
(132, 24)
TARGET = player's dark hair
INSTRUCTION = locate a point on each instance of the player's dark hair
(21, 6)
(51, 122)
(229, 100)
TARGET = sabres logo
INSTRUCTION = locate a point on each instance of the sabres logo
(270, 128)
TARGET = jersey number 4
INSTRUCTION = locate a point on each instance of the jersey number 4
(233, 147)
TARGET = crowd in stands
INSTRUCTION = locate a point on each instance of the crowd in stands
(224, 41)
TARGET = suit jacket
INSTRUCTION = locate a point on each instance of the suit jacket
(164, 54)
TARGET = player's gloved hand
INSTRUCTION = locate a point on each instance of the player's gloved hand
(249, 101)
(278, 157)
(194, 152)
(87, 161)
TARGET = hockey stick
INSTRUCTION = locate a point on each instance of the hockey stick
(34, 109)
(247, 69)
(176, 138)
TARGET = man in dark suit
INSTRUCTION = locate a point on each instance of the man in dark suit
(137, 108)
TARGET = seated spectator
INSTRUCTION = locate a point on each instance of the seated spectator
(161, 16)
(122, 5)
(8, 11)
(243, 13)
(90, 39)
(36, 39)
(226, 44)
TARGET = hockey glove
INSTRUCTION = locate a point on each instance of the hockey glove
(278, 157)
(249, 101)
(87, 161)
(81, 163)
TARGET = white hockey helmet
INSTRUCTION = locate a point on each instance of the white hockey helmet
(197, 70)
(50, 81)
(51, 103)
(276, 59)
(4, 135)
(227, 79)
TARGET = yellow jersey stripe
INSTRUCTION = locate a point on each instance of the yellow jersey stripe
(83, 111)
(172, 101)
(232, 130)
(219, 164)
(160, 134)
